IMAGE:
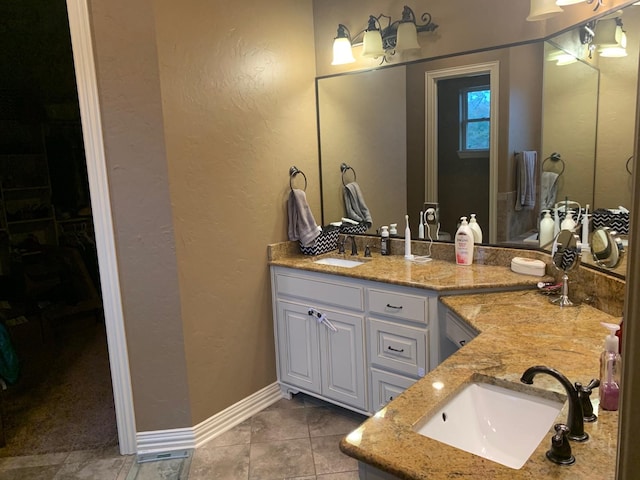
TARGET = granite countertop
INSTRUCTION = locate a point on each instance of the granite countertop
(518, 330)
(439, 274)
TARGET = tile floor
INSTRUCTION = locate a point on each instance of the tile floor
(292, 439)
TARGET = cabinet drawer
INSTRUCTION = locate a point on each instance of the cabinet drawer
(319, 289)
(458, 331)
(398, 305)
(385, 386)
(398, 347)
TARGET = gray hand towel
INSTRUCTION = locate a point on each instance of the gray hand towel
(302, 225)
(356, 208)
(526, 180)
(548, 190)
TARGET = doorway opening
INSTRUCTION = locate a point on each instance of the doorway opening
(456, 180)
(50, 303)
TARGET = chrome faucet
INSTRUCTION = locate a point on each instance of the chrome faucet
(354, 247)
(575, 420)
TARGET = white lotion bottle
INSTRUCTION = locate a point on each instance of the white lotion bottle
(546, 234)
(568, 223)
(475, 228)
(407, 240)
(464, 243)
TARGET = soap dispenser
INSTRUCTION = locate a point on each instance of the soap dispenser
(546, 235)
(475, 228)
(384, 241)
(568, 223)
(610, 369)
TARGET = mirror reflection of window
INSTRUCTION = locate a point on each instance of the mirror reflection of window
(475, 118)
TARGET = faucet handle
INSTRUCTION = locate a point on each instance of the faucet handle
(341, 245)
(560, 451)
(367, 251)
(584, 394)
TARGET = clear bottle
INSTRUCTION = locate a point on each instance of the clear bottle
(384, 241)
(610, 369)
(546, 236)
(475, 228)
(464, 243)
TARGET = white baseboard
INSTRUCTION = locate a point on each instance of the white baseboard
(181, 438)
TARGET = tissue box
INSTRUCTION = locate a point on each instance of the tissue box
(528, 266)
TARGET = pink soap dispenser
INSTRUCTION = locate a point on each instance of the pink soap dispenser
(610, 369)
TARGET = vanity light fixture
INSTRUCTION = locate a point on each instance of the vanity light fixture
(543, 9)
(610, 38)
(380, 41)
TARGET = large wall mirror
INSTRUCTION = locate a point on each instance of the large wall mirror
(374, 121)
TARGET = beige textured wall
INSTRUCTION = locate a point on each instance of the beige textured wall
(205, 105)
(239, 109)
(616, 119)
(128, 82)
(569, 126)
(364, 121)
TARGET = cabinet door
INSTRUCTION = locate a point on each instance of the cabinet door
(343, 365)
(298, 351)
(385, 386)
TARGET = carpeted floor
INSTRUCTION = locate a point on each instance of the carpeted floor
(64, 398)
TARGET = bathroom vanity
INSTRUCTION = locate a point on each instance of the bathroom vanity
(337, 336)
(360, 336)
(383, 352)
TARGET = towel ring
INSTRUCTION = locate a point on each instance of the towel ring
(554, 157)
(344, 168)
(627, 165)
(293, 171)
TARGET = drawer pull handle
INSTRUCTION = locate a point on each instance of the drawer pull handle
(462, 343)
(395, 349)
(394, 307)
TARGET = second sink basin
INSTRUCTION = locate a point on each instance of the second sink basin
(339, 262)
(494, 422)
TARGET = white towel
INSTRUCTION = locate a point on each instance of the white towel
(526, 180)
(355, 207)
(548, 190)
(302, 225)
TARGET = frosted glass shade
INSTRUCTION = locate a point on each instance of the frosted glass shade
(407, 37)
(542, 9)
(342, 52)
(563, 3)
(610, 39)
(372, 44)
(616, 51)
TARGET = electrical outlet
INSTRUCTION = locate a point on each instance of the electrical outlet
(432, 214)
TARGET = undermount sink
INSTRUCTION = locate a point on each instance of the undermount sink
(494, 422)
(339, 262)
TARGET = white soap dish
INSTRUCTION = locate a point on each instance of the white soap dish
(528, 266)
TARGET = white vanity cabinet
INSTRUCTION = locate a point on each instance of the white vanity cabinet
(325, 359)
(373, 344)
